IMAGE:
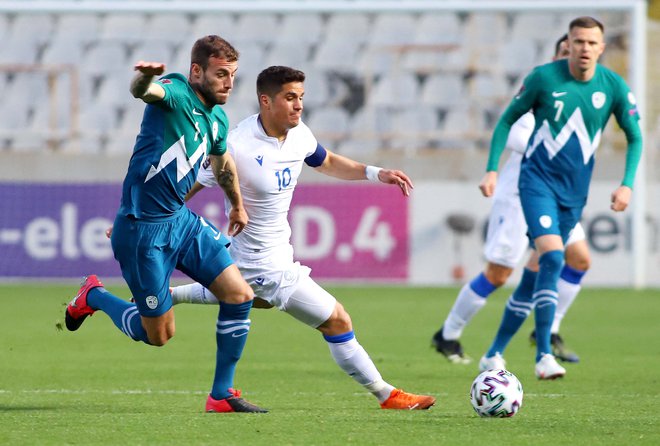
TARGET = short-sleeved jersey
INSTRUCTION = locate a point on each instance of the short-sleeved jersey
(570, 117)
(175, 136)
(268, 172)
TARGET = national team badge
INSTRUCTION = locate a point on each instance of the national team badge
(598, 99)
(545, 221)
(152, 302)
(631, 98)
(215, 130)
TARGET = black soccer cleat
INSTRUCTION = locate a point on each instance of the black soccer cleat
(559, 350)
(451, 349)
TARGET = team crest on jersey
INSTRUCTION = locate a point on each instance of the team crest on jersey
(215, 130)
(631, 98)
(152, 302)
(598, 99)
(164, 81)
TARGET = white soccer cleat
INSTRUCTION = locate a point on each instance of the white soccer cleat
(548, 368)
(494, 362)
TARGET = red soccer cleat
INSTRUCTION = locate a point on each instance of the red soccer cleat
(233, 403)
(78, 310)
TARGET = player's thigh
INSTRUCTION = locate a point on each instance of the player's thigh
(310, 304)
(541, 212)
(204, 256)
(146, 259)
(577, 250)
(506, 238)
(230, 287)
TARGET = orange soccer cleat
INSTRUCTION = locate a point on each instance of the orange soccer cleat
(407, 401)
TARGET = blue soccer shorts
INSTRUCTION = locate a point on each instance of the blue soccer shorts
(545, 215)
(149, 251)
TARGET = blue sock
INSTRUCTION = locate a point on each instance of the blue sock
(123, 314)
(572, 275)
(518, 307)
(481, 286)
(545, 298)
(232, 329)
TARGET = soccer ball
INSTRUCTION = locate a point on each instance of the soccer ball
(496, 393)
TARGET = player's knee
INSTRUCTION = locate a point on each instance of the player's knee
(497, 275)
(552, 260)
(340, 321)
(160, 337)
(579, 263)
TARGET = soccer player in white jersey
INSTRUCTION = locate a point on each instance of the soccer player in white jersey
(269, 150)
(506, 243)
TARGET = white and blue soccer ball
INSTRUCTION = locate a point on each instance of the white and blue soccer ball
(496, 393)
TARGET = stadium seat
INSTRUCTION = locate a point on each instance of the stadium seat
(461, 127)
(302, 29)
(77, 27)
(518, 56)
(205, 24)
(392, 29)
(113, 90)
(104, 57)
(337, 56)
(63, 50)
(444, 90)
(153, 50)
(127, 28)
(394, 90)
(414, 127)
(536, 27)
(352, 29)
(329, 125)
(167, 28)
(289, 53)
(255, 29)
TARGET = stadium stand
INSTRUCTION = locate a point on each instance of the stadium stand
(373, 79)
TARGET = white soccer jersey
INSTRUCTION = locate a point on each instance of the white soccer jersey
(268, 173)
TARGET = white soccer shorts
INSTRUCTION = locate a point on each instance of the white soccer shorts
(285, 284)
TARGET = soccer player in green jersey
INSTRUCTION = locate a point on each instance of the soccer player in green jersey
(154, 232)
(572, 100)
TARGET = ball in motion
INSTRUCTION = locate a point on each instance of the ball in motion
(496, 393)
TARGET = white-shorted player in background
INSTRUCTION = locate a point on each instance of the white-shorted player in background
(506, 243)
(269, 150)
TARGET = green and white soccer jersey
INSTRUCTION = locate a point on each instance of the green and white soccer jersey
(570, 118)
(175, 136)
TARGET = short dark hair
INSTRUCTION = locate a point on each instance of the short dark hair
(561, 40)
(586, 22)
(212, 46)
(270, 80)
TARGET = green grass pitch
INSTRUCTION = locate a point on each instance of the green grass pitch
(96, 386)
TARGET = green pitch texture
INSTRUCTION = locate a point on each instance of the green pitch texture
(96, 386)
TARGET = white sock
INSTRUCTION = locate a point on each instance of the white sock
(468, 303)
(354, 360)
(567, 294)
(194, 293)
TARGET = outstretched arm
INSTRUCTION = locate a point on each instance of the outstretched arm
(347, 169)
(142, 86)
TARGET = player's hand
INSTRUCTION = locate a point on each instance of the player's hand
(397, 177)
(488, 183)
(621, 198)
(150, 68)
(108, 232)
(238, 218)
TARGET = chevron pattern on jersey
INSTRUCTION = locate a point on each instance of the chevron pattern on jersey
(553, 145)
(177, 151)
